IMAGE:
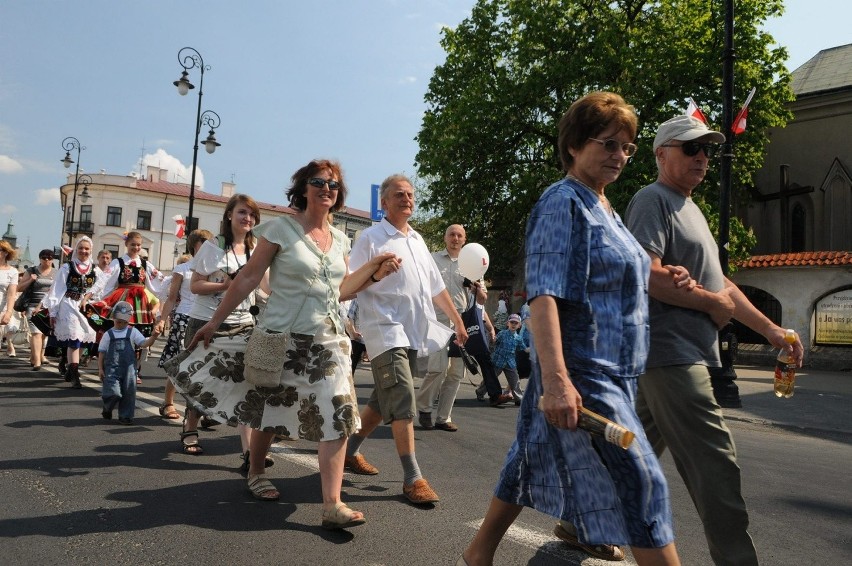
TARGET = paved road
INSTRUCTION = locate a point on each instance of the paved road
(80, 490)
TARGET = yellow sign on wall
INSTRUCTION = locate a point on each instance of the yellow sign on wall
(834, 318)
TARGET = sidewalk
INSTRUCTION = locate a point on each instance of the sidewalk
(822, 401)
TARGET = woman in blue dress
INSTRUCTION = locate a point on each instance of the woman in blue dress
(587, 285)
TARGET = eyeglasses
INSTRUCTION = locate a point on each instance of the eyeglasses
(692, 148)
(320, 183)
(611, 146)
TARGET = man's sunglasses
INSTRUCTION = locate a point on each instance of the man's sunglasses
(320, 183)
(692, 148)
(611, 146)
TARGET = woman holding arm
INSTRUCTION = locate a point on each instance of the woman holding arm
(589, 347)
(315, 400)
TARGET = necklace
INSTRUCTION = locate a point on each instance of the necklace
(322, 246)
(601, 197)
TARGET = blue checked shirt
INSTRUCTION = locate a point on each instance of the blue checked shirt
(507, 343)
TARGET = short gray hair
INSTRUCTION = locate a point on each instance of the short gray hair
(390, 181)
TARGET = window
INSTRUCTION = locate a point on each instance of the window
(113, 216)
(765, 303)
(143, 220)
(85, 214)
(797, 237)
(113, 249)
(192, 224)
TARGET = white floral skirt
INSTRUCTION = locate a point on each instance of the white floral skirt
(314, 400)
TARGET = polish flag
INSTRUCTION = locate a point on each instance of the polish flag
(180, 226)
(694, 111)
(739, 125)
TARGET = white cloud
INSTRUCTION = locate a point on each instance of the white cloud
(9, 165)
(47, 196)
(177, 171)
(8, 209)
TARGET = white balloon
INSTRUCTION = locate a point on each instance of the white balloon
(473, 261)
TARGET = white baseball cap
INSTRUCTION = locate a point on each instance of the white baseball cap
(685, 128)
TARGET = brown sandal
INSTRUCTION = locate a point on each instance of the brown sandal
(192, 447)
(169, 414)
(609, 552)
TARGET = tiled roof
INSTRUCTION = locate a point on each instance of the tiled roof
(798, 259)
(182, 190)
(830, 69)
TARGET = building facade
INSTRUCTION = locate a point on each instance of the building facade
(800, 210)
(117, 204)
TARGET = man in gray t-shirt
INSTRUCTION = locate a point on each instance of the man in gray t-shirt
(675, 399)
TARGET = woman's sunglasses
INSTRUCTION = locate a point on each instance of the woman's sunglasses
(320, 183)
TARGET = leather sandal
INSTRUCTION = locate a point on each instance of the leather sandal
(341, 517)
(609, 552)
(194, 447)
(167, 413)
(262, 489)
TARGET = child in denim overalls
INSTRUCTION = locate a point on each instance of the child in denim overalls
(117, 364)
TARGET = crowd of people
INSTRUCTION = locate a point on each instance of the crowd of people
(639, 356)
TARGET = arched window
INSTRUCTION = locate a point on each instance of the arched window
(765, 303)
(797, 230)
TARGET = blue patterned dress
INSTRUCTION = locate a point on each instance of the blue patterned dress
(585, 258)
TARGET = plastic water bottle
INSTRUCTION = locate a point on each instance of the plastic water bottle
(785, 368)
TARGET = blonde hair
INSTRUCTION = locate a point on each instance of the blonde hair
(11, 253)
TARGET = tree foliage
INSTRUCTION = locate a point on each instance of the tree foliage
(488, 137)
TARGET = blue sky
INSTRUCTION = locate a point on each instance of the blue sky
(291, 81)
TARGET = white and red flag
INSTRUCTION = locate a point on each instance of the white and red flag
(739, 125)
(180, 226)
(694, 111)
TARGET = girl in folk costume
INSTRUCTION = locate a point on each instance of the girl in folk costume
(72, 287)
(128, 279)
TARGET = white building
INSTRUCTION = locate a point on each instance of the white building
(117, 204)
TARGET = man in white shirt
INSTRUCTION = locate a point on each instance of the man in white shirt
(398, 323)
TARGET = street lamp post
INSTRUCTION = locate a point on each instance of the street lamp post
(189, 58)
(723, 379)
(69, 144)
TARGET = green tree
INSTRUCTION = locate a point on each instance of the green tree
(487, 144)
